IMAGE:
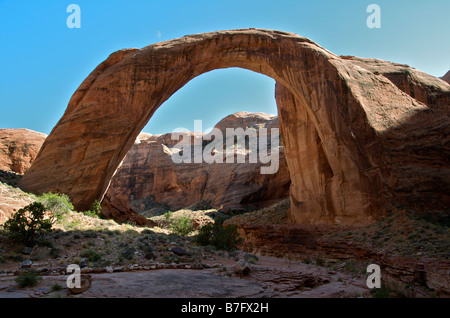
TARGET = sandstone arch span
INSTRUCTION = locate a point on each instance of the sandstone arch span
(334, 116)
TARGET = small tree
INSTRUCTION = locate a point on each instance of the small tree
(27, 222)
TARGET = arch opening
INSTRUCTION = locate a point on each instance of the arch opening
(211, 97)
(318, 103)
(150, 182)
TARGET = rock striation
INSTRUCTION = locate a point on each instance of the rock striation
(376, 131)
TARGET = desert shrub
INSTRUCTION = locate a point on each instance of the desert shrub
(128, 253)
(14, 256)
(28, 279)
(58, 204)
(251, 258)
(90, 214)
(26, 223)
(55, 252)
(168, 216)
(95, 211)
(97, 208)
(182, 225)
(385, 292)
(320, 262)
(43, 241)
(218, 235)
(90, 255)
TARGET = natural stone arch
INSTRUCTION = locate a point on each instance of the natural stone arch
(337, 108)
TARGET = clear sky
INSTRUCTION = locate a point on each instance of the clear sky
(42, 61)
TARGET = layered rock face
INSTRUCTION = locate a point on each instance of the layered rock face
(376, 131)
(19, 148)
(148, 172)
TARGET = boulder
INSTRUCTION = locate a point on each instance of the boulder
(179, 251)
(242, 268)
(85, 284)
(26, 264)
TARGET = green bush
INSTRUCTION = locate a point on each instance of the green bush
(251, 258)
(56, 287)
(128, 253)
(168, 216)
(97, 208)
(55, 252)
(182, 225)
(218, 235)
(28, 279)
(90, 255)
(385, 292)
(95, 211)
(58, 204)
(26, 223)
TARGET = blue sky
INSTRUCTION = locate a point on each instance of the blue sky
(42, 61)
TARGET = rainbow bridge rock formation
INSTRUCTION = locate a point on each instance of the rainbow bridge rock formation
(358, 133)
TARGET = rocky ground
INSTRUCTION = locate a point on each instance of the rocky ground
(125, 260)
(269, 277)
(129, 261)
